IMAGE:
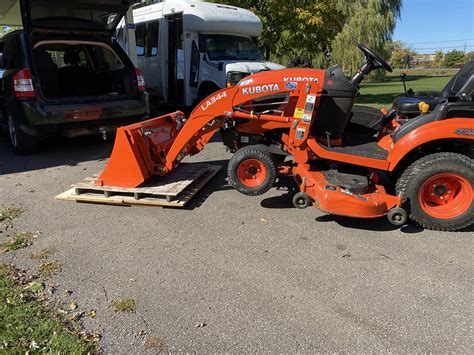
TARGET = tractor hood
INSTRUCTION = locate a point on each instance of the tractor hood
(251, 67)
(101, 16)
(289, 76)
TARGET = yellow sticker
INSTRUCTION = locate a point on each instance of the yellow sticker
(299, 112)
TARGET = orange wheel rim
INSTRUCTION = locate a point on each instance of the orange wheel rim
(252, 173)
(445, 196)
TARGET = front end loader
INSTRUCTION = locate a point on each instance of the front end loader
(295, 122)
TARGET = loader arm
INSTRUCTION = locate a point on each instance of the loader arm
(157, 146)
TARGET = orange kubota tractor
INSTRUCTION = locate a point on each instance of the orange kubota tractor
(296, 122)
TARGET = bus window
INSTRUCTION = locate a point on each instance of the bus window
(152, 39)
(140, 35)
(195, 58)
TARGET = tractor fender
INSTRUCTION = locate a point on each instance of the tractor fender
(453, 128)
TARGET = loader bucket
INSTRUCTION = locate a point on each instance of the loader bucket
(140, 150)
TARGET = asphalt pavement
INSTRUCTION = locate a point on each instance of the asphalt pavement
(232, 273)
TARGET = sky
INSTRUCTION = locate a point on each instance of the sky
(446, 24)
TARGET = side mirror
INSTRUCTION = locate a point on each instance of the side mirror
(2, 61)
(220, 66)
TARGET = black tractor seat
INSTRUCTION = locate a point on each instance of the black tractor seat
(443, 111)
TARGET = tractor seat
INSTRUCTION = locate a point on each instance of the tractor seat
(443, 111)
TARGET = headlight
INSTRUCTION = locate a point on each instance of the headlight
(233, 78)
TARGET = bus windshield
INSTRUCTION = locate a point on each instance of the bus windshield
(227, 47)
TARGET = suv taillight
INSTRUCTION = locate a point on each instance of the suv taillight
(140, 80)
(23, 85)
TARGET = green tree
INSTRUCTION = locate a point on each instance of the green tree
(454, 58)
(399, 52)
(371, 22)
(292, 28)
(469, 56)
(438, 58)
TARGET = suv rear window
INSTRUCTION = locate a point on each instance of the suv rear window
(80, 69)
(95, 58)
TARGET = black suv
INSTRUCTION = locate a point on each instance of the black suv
(65, 73)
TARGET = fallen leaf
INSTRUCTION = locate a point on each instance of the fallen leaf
(73, 306)
(92, 313)
(201, 325)
(263, 220)
(91, 336)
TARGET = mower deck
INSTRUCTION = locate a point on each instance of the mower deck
(175, 189)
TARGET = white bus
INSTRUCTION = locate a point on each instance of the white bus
(189, 49)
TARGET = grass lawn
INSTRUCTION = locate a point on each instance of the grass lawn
(26, 326)
(382, 94)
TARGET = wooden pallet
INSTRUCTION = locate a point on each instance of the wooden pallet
(175, 189)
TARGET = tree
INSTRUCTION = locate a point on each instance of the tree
(454, 58)
(290, 28)
(438, 58)
(400, 52)
(307, 27)
(371, 22)
(469, 56)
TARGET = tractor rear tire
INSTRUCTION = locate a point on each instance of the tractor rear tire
(252, 170)
(438, 191)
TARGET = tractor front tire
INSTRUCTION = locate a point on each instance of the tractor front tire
(252, 170)
(438, 191)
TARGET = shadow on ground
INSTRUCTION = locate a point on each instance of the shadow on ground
(285, 201)
(53, 153)
(217, 183)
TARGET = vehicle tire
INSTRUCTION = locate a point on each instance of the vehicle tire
(22, 142)
(438, 191)
(252, 171)
(301, 200)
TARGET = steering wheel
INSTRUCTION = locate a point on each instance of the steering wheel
(371, 56)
